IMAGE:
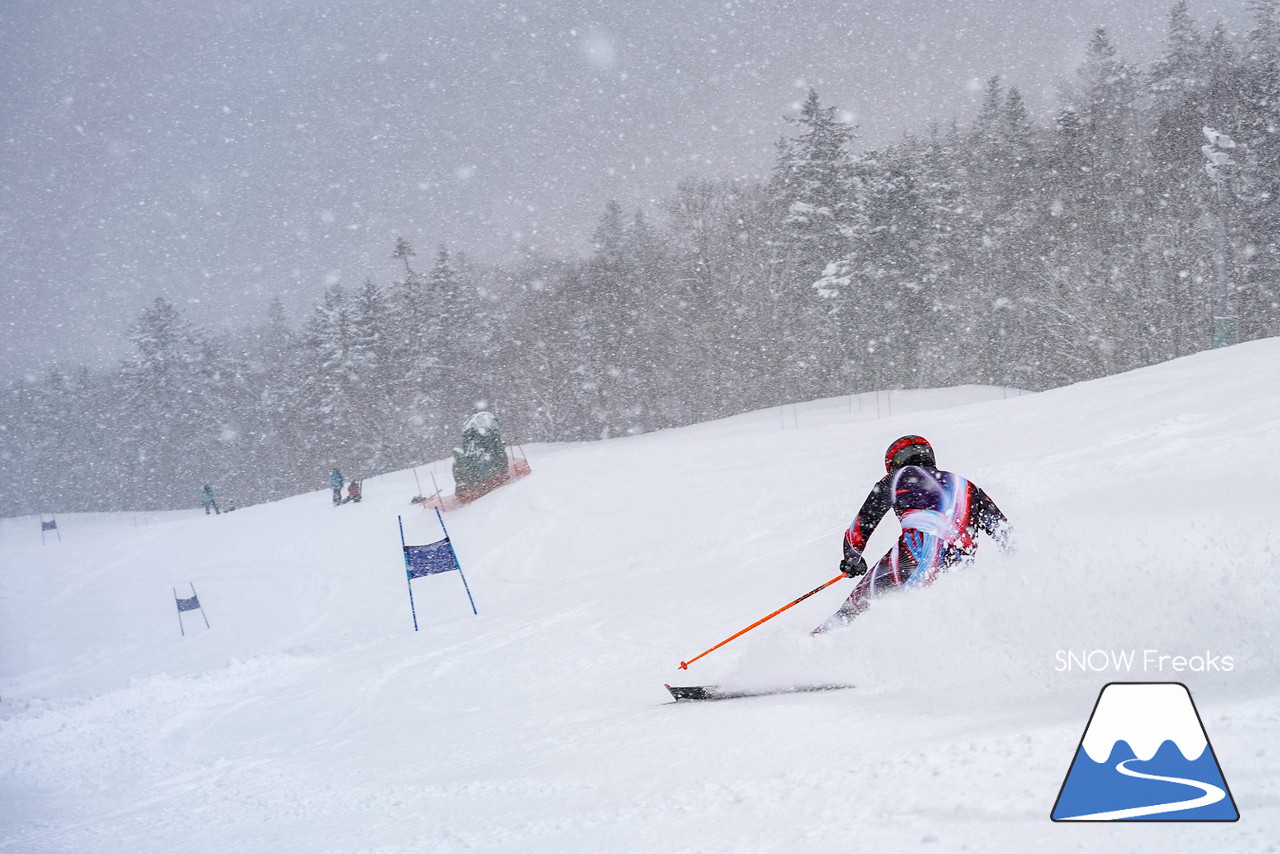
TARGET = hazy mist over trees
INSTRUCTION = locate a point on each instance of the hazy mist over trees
(997, 250)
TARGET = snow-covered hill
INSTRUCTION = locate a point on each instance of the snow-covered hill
(311, 718)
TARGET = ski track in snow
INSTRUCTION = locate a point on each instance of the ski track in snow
(311, 717)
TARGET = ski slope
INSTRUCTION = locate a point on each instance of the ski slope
(311, 717)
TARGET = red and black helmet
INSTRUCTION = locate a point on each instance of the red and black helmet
(909, 451)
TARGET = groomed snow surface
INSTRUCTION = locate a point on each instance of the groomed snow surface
(312, 718)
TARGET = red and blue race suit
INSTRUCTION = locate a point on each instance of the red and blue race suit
(941, 514)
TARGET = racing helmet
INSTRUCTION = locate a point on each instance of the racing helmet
(909, 451)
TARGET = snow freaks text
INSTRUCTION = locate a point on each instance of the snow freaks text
(1145, 660)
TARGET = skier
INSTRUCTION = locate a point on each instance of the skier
(353, 491)
(206, 498)
(941, 514)
(335, 480)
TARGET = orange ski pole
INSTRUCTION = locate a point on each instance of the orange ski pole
(684, 665)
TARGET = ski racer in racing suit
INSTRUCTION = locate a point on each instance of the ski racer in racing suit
(941, 514)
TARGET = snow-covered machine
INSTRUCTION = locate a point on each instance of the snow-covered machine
(480, 465)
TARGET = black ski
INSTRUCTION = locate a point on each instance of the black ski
(715, 692)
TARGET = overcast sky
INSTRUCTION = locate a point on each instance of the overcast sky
(218, 153)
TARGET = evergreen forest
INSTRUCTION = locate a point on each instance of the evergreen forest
(993, 249)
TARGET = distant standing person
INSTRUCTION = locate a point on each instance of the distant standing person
(206, 498)
(335, 480)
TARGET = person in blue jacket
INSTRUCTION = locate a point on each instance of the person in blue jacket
(335, 480)
(206, 498)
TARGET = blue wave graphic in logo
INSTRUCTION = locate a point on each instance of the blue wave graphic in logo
(1144, 756)
(1166, 787)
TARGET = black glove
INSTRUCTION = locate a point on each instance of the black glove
(853, 566)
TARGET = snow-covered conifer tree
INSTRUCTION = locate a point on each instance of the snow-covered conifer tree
(815, 192)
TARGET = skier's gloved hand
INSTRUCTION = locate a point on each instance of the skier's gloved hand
(853, 566)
